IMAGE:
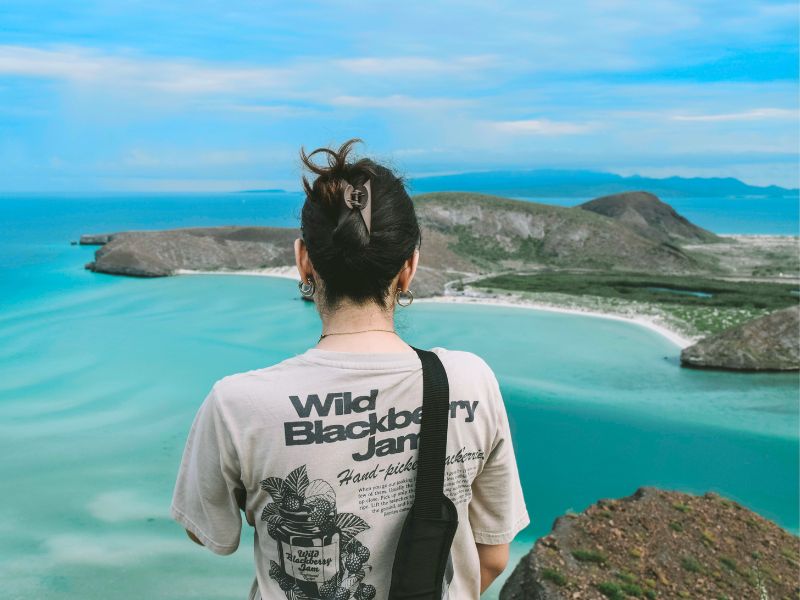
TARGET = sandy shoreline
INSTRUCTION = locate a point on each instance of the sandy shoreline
(283, 272)
(291, 273)
(673, 336)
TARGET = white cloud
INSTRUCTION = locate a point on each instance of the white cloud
(89, 67)
(82, 65)
(415, 65)
(178, 159)
(397, 101)
(541, 127)
(750, 115)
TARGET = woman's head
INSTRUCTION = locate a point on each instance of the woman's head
(349, 262)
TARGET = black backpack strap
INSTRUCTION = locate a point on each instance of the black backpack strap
(433, 436)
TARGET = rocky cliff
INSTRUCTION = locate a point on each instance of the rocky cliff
(768, 343)
(659, 544)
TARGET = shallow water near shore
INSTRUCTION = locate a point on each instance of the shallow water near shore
(100, 383)
(100, 377)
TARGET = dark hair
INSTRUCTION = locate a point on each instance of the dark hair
(353, 263)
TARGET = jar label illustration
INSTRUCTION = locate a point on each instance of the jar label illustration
(319, 554)
(311, 559)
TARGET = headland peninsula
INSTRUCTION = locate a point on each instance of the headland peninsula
(627, 255)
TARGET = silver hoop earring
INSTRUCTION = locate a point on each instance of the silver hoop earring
(306, 288)
(406, 295)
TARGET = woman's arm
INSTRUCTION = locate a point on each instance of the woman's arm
(493, 559)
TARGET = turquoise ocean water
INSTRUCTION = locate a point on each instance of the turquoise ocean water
(100, 377)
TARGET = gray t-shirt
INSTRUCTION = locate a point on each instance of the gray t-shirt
(319, 452)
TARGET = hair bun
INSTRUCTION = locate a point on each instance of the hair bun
(356, 260)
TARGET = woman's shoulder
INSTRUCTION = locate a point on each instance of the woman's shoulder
(239, 384)
(464, 364)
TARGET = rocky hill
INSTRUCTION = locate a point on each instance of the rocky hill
(498, 233)
(659, 544)
(768, 343)
(461, 233)
(651, 218)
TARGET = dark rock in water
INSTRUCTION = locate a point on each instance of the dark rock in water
(768, 343)
(161, 253)
(95, 239)
(651, 218)
(659, 544)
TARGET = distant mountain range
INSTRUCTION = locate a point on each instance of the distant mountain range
(588, 184)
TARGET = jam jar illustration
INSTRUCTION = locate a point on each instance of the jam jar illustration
(307, 553)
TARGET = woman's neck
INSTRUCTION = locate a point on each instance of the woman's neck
(353, 329)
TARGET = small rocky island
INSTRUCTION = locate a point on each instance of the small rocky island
(660, 544)
(769, 343)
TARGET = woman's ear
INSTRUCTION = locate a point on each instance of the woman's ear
(408, 271)
(302, 260)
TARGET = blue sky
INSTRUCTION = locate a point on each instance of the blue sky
(201, 95)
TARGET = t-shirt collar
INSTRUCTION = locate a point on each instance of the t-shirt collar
(362, 360)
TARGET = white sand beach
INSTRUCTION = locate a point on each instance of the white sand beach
(283, 272)
(675, 337)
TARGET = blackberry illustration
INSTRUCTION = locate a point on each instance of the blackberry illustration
(316, 516)
(303, 514)
(320, 513)
(328, 589)
(291, 502)
(353, 563)
(341, 594)
(363, 553)
(321, 504)
(365, 591)
(328, 526)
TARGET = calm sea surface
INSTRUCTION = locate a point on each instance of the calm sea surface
(100, 377)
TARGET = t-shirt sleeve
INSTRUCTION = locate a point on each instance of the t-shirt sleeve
(497, 510)
(208, 489)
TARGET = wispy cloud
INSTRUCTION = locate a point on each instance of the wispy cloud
(398, 102)
(83, 65)
(88, 66)
(541, 127)
(416, 65)
(750, 115)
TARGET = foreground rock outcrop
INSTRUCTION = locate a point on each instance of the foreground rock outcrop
(659, 544)
(768, 343)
